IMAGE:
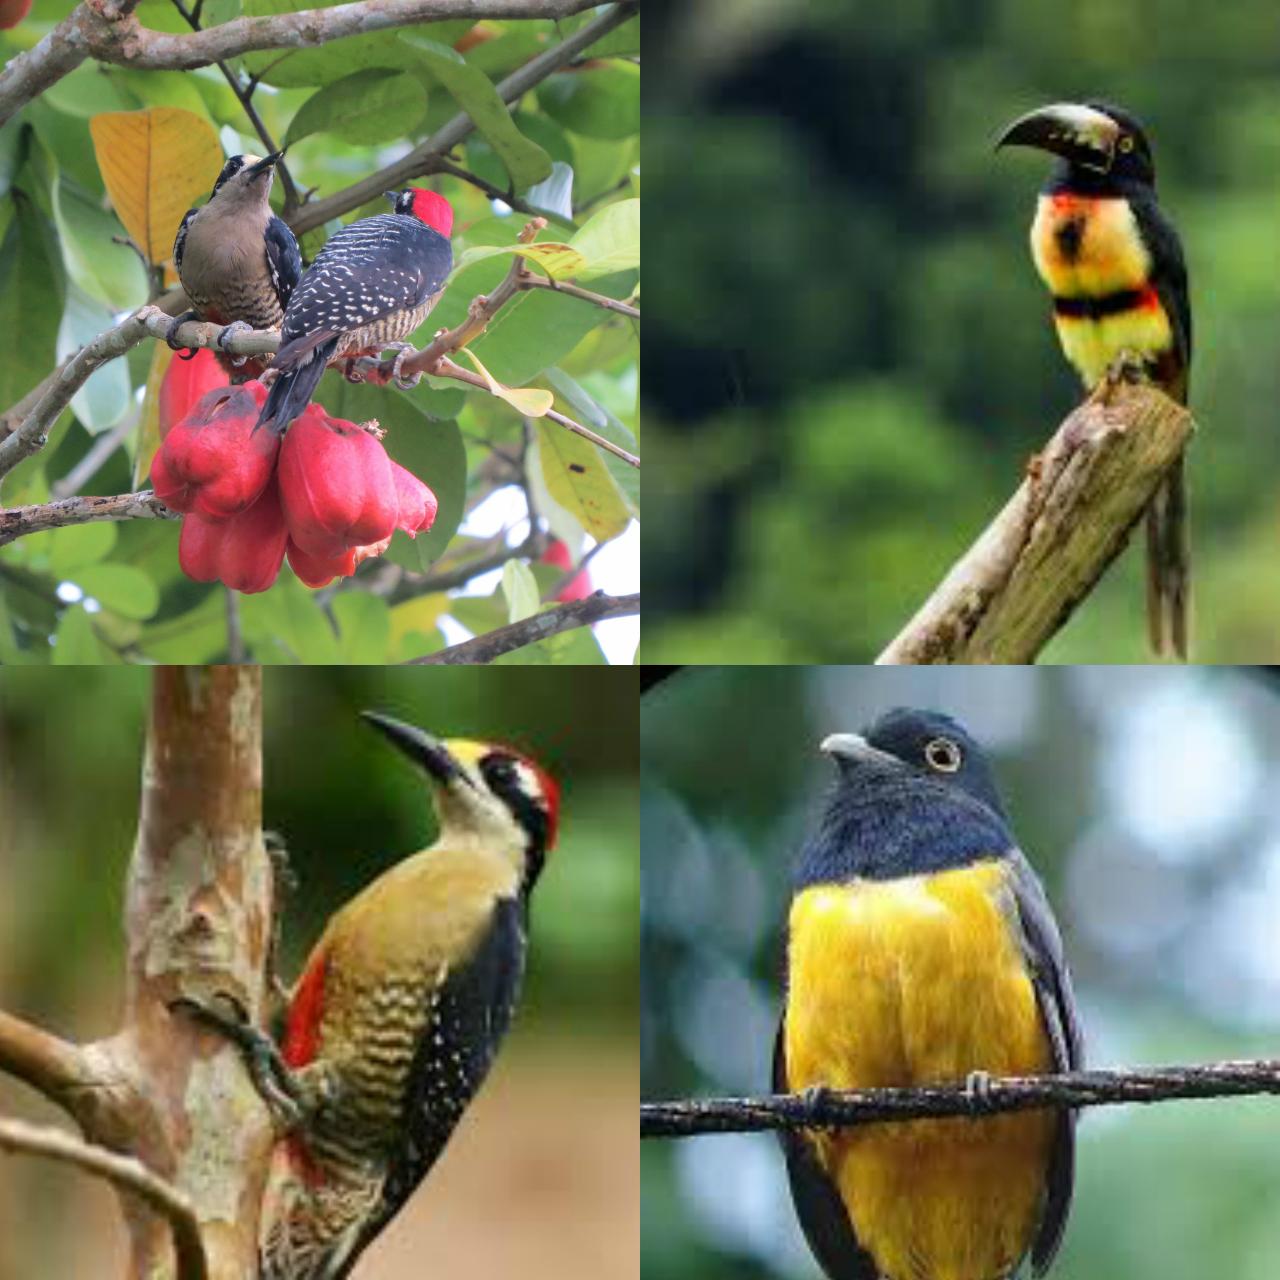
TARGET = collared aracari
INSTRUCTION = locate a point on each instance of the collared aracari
(1113, 263)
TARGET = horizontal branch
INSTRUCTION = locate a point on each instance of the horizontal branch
(539, 626)
(143, 505)
(571, 290)
(1030, 569)
(123, 1172)
(109, 31)
(204, 333)
(422, 160)
(978, 1097)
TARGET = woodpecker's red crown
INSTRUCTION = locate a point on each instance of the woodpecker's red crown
(426, 206)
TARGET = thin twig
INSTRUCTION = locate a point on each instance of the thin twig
(443, 165)
(124, 1172)
(983, 1096)
(532, 281)
(538, 626)
(15, 522)
(445, 579)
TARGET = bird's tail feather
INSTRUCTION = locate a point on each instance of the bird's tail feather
(1169, 566)
(293, 388)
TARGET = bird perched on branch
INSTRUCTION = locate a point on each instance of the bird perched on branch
(400, 1010)
(237, 261)
(370, 286)
(1113, 263)
(921, 950)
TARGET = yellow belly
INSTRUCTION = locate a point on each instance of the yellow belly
(1092, 345)
(909, 982)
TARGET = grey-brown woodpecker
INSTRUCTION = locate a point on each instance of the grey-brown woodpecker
(238, 262)
(371, 285)
(400, 1009)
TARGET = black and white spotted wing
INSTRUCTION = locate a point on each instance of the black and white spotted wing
(376, 267)
(468, 1020)
(284, 259)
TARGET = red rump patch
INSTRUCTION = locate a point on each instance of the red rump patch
(302, 1029)
(432, 209)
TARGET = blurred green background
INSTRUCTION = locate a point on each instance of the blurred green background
(850, 358)
(348, 806)
(1144, 798)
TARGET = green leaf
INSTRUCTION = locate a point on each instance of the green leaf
(78, 545)
(579, 481)
(288, 621)
(30, 301)
(604, 422)
(576, 648)
(473, 91)
(120, 588)
(610, 241)
(111, 273)
(521, 590)
(76, 644)
(364, 627)
(433, 451)
(600, 100)
(105, 398)
(195, 636)
(365, 108)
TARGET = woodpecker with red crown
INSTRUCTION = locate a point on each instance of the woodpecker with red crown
(1113, 263)
(400, 1010)
(370, 286)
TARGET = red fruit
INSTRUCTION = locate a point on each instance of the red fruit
(417, 504)
(579, 586)
(336, 486)
(213, 463)
(184, 382)
(244, 552)
(12, 12)
(319, 571)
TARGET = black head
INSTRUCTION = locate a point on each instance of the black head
(1094, 137)
(914, 794)
(247, 173)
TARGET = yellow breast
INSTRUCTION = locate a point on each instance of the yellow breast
(1088, 247)
(913, 981)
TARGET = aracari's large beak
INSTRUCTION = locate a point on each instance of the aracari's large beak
(420, 747)
(1083, 135)
(265, 165)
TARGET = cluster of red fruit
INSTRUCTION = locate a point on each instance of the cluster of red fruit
(327, 496)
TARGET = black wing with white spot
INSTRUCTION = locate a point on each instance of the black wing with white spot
(284, 259)
(180, 241)
(373, 268)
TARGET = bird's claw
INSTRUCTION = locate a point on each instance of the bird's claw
(170, 334)
(229, 331)
(403, 351)
(977, 1087)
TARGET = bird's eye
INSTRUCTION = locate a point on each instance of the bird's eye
(943, 755)
(1126, 143)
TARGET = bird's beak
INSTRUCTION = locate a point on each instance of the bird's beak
(420, 747)
(265, 165)
(393, 196)
(854, 748)
(1081, 134)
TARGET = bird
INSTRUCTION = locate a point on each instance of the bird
(1114, 264)
(399, 1010)
(372, 284)
(238, 262)
(921, 949)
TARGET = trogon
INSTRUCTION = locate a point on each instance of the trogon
(921, 949)
(1114, 265)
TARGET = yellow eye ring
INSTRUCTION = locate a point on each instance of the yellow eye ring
(943, 755)
(1126, 143)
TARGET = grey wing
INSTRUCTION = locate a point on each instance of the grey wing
(1057, 1003)
(180, 240)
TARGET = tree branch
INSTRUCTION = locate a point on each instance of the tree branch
(52, 1066)
(422, 159)
(539, 626)
(143, 505)
(127, 1175)
(108, 31)
(1042, 555)
(826, 1108)
(534, 281)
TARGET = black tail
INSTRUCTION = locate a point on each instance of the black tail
(292, 390)
(1169, 566)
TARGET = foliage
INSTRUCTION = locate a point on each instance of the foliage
(854, 357)
(95, 175)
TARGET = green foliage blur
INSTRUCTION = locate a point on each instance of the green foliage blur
(111, 593)
(347, 806)
(1143, 797)
(853, 357)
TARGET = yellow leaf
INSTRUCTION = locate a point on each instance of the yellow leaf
(156, 164)
(149, 426)
(533, 402)
(579, 481)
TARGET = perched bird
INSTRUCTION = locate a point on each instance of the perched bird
(400, 1010)
(237, 261)
(921, 950)
(1113, 263)
(372, 284)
